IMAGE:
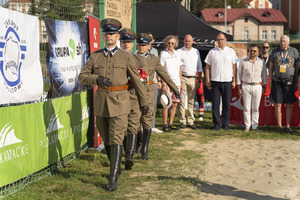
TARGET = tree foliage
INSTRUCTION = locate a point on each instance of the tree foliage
(140, 1)
(198, 5)
(69, 10)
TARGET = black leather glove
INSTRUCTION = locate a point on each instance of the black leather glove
(144, 109)
(177, 95)
(104, 82)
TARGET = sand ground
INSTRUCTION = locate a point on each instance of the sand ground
(251, 169)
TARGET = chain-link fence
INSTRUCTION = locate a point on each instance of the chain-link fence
(67, 10)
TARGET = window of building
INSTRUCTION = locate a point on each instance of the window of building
(246, 35)
(246, 19)
(261, 6)
(264, 35)
(273, 34)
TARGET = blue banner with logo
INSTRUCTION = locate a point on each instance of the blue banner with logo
(21, 77)
(33, 136)
(67, 55)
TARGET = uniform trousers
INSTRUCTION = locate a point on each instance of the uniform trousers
(112, 129)
(251, 100)
(155, 104)
(147, 119)
(189, 88)
(133, 121)
(218, 89)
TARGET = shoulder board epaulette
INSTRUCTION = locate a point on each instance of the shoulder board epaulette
(98, 51)
(138, 55)
(125, 51)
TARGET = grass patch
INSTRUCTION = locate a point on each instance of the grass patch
(173, 171)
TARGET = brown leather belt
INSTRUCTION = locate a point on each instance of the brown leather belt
(113, 88)
(251, 83)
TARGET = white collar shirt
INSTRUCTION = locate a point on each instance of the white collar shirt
(221, 62)
(252, 72)
(191, 61)
(171, 63)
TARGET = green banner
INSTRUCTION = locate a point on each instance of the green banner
(33, 136)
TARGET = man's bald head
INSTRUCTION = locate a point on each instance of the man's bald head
(188, 41)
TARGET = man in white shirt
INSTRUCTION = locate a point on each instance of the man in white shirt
(221, 78)
(251, 72)
(191, 64)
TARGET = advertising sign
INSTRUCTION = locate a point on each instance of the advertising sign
(94, 34)
(67, 55)
(120, 10)
(266, 110)
(21, 77)
(33, 136)
(94, 38)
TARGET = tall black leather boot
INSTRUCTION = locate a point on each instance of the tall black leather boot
(124, 143)
(107, 150)
(130, 145)
(115, 167)
(146, 140)
(139, 142)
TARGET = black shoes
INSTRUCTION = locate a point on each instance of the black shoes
(279, 130)
(182, 126)
(166, 129)
(216, 128)
(173, 127)
(190, 126)
(193, 127)
(169, 128)
(290, 131)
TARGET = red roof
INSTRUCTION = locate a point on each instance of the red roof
(262, 15)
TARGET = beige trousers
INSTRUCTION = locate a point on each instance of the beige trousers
(189, 88)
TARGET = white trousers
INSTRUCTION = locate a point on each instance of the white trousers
(251, 99)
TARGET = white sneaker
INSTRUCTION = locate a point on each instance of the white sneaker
(200, 118)
(155, 130)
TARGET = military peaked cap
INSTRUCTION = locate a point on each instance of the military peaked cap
(143, 39)
(110, 25)
(126, 34)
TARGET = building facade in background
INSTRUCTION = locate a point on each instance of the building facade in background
(291, 10)
(258, 3)
(276, 4)
(247, 24)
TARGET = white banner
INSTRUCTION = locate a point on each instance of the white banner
(21, 77)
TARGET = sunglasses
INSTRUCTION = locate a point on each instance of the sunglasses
(265, 47)
(171, 43)
(253, 51)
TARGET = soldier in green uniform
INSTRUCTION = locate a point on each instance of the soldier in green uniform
(143, 40)
(127, 37)
(109, 68)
